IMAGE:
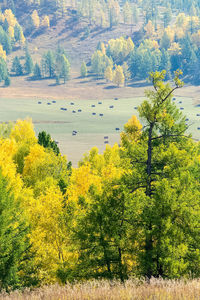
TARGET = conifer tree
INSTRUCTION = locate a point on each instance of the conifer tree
(28, 66)
(17, 67)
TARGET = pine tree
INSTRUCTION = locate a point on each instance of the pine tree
(37, 71)
(28, 66)
(17, 67)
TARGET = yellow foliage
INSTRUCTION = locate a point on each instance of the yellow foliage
(11, 32)
(35, 19)
(2, 52)
(118, 76)
(7, 150)
(45, 22)
(8, 14)
(47, 236)
(132, 129)
(23, 132)
(149, 28)
(108, 74)
(171, 33)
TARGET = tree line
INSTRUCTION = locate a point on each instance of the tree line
(132, 211)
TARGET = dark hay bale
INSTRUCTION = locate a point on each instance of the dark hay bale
(174, 98)
(198, 105)
(112, 106)
(117, 129)
(92, 105)
(105, 137)
(73, 111)
(116, 98)
(187, 119)
(93, 114)
(180, 102)
(74, 131)
(79, 110)
(72, 103)
(198, 128)
(198, 115)
(48, 103)
(39, 102)
(101, 115)
(99, 102)
(135, 107)
(53, 101)
(181, 108)
(105, 142)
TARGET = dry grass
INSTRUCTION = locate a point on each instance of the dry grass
(158, 289)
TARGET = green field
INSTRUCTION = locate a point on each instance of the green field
(90, 128)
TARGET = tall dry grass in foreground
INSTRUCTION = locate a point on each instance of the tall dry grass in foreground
(157, 289)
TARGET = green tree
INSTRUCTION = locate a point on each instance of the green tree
(48, 64)
(162, 155)
(13, 238)
(167, 16)
(83, 69)
(17, 67)
(3, 69)
(65, 68)
(28, 66)
(7, 81)
(46, 141)
(37, 71)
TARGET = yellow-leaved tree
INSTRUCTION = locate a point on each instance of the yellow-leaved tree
(118, 77)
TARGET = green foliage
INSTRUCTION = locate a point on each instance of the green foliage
(45, 140)
(37, 72)
(83, 69)
(13, 238)
(17, 67)
(28, 66)
(3, 70)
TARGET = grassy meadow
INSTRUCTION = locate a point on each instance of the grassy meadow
(92, 119)
(157, 289)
